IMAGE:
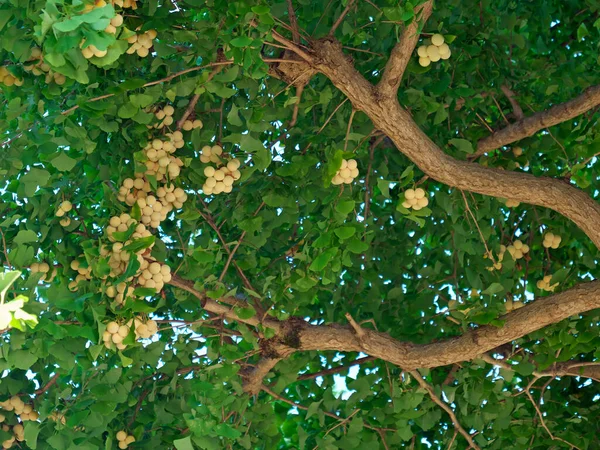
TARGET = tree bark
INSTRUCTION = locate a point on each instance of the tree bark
(388, 116)
(528, 126)
(298, 335)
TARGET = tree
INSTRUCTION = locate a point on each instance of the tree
(299, 224)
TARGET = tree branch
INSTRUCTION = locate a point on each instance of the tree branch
(400, 56)
(530, 125)
(152, 83)
(389, 117)
(417, 376)
(510, 95)
(340, 19)
(296, 334)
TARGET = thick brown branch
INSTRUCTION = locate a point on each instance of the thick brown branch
(562, 112)
(298, 335)
(417, 376)
(400, 56)
(389, 117)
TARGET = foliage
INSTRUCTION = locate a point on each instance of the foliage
(285, 240)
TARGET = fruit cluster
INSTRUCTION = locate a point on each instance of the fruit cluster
(346, 173)
(141, 43)
(115, 334)
(57, 416)
(63, 208)
(124, 439)
(20, 408)
(18, 435)
(551, 240)
(171, 196)
(415, 199)
(544, 284)
(517, 250)
(89, 51)
(84, 273)
(189, 125)
(165, 117)
(154, 275)
(42, 267)
(126, 3)
(145, 330)
(37, 66)
(120, 292)
(115, 23)
(433, 52)
(221, 179)
(159, 158)
(210, 154)
(8, 79)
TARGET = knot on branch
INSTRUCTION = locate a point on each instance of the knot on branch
(296, 73)
(271, 352)
(328, 50)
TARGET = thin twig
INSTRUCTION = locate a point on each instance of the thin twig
(445, 407)
(48, 385)
(543, 422)
(152, 83)
(9, 265)
(331, 115)
(357, 329)
(304, 408)
(293, 22)
(487, 250)
(500, 109)
(340, 19)
(348, 129)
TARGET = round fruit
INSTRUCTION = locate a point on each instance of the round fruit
(437, 39)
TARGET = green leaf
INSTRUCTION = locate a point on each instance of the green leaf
(241, 41)
(312, 409)
(183, 443)
(582, 32)
(140, 244)
(493, 288)
(345, 232)
(227, 431)
(25, 237)
(323, 259)
(345, 206)
(125, 361)
(32, 430)
(245, 313)
(63, 162)
(463, 145)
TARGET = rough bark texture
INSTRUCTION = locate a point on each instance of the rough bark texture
(402, 52)
(297, 335)
(589, 99)
(389, 117)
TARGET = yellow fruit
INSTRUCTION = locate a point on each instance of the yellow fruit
(121, 435)
(87, 52)
(117, 21)
(437, 39)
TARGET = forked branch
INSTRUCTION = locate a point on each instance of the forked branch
(562, 112)
(400, 56)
